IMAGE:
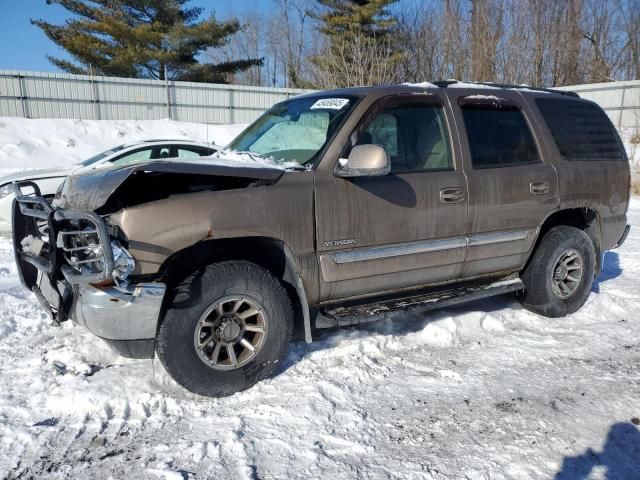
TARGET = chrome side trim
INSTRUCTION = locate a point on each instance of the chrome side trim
(412, 248)
(426, 246)
(497, 237)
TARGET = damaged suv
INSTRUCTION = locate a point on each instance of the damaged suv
(331, 209)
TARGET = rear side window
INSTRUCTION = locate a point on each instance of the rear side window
(581, 131)
(498, 135)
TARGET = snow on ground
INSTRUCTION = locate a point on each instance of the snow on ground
(483, 391)
(42, 143)
(631, 139)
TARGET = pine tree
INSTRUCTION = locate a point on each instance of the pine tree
(344, 18)
(142, 39)
(361, 47)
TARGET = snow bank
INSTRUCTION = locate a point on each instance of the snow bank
(42, 143)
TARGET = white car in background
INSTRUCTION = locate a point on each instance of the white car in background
(49, 179)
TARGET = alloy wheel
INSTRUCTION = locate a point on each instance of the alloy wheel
(230, 332)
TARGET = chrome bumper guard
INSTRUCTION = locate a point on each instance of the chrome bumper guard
(67, 253)
(116, 314)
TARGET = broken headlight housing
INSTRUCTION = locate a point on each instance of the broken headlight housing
(90, 259)
(123, 264)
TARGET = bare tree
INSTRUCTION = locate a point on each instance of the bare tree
(486, 30)
(360, 61)
(297, 38)
(629, 11)
(537, 42)
(518, 59)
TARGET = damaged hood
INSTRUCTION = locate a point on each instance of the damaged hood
(90, 191)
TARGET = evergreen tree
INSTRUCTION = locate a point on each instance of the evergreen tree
(361, 45)
(142, 39)
(345, 18)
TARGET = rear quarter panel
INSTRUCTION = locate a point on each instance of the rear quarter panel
(602, 186)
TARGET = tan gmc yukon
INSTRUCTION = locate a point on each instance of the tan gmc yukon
(333, 208)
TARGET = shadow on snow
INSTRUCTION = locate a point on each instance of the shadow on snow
(620, 457)
(610, 269)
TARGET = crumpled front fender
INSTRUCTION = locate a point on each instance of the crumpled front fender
(90, 191)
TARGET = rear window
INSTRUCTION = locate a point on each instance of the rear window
(581, 131)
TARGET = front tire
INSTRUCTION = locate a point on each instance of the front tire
(560, 273)
(226, 328)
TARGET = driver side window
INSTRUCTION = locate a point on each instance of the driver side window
(383, 131)
(414, 135)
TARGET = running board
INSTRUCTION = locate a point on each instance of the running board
(372, 312)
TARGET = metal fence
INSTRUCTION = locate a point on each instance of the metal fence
(60, 95)
(621, 100)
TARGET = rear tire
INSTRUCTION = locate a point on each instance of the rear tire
(227, 328)
(560, 273)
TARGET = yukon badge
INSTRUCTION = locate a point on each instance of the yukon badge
(340, 243)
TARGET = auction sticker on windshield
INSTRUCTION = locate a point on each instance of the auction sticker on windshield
(330, 103)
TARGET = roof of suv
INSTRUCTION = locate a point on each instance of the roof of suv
(481, 86)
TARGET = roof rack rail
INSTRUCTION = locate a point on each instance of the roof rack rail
(446, 83)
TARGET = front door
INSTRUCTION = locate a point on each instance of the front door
(402, 230)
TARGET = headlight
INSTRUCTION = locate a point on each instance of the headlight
(123, 263)
(6, 190)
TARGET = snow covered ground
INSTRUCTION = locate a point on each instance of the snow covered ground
(43, 143)
(482, 391)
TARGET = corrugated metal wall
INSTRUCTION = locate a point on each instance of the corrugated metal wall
(621, 100)
(61, 95)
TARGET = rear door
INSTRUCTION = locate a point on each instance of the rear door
(511, 187)
(405, 229)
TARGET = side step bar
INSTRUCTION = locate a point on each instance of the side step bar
(365, 313)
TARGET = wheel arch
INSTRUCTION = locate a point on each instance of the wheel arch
(269, 253)
(584, 218)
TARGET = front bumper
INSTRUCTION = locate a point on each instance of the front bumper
(126, 316)
(115, 314)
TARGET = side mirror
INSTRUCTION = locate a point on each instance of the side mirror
(364, 161)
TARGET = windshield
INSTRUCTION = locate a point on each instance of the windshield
(296, 130)
(100, 156)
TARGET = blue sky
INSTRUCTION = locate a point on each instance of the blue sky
(24, 46)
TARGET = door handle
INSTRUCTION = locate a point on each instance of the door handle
(451, 195)
(539, 188)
